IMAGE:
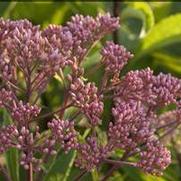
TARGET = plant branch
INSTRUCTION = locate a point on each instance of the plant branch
(116, 12)
(120, 163)
(80, 175)
(75, 115)
(103, 82)
(167, 125)
(52, 113)
(30, 172)
(28, 86)
(115, 167)
(169, 131)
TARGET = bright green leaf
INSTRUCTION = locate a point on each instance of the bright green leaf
(95, 175)
(166, 32)
(140, 10)
(7, 8)
(170, 62)
(37, 12)
(147, 177)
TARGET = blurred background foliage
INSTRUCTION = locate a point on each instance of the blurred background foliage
(150, 30)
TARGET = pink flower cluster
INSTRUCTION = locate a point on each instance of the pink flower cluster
(23, 140)
(42, 53)
(115, 57)
(154, 158)
(131, 128)
(24, 113)
(8, 134)
(85, 96)
(154, 90)
(90, 154)
(64, 133)
(78, 35)
(30, 57)
(137, 97)
(167, 88)
(135, 85)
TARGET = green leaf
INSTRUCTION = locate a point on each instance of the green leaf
(93, 58)
(161, 10)
(166, 32)
(56, 177)
(140, 10)
(62, 165)
(67, 173)
(12, 158)
(152, 178)
(5, 8)
(132, 174)
(87, 8)
(95, 175)
(60, 14)
(117, 177)
(6, 118)
(37, 12)
(170, 62)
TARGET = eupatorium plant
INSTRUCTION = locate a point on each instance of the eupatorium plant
(29, 59)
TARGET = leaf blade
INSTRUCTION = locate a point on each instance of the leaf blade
(166, 32)
(12, 155)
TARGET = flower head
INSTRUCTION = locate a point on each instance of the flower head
(154, 158)
(136, 85)
(131, 127)
(86, 97)
(8, 135)
(166, 88)
(90, 154)
(115, 57)
(64, 133)
(24, 113)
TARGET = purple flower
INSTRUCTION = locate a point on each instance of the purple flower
(23, 140)
(154, 158)
(8, 136)
(6, 98)
(90, 154)
(114, 57)
(87, 99)
(79, 34)
(64, 133)
(131, 127)
(166, 88)
(136, 85)
(37, 55)
(24, 113)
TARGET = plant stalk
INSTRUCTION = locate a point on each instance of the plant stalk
(30, 172)
(116, 12)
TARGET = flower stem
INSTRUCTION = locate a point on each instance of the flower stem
(116, 12)
(115, 167)
(167, 125)
(30, 172)
(120, 163)
(80, 175)
(52, 113)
